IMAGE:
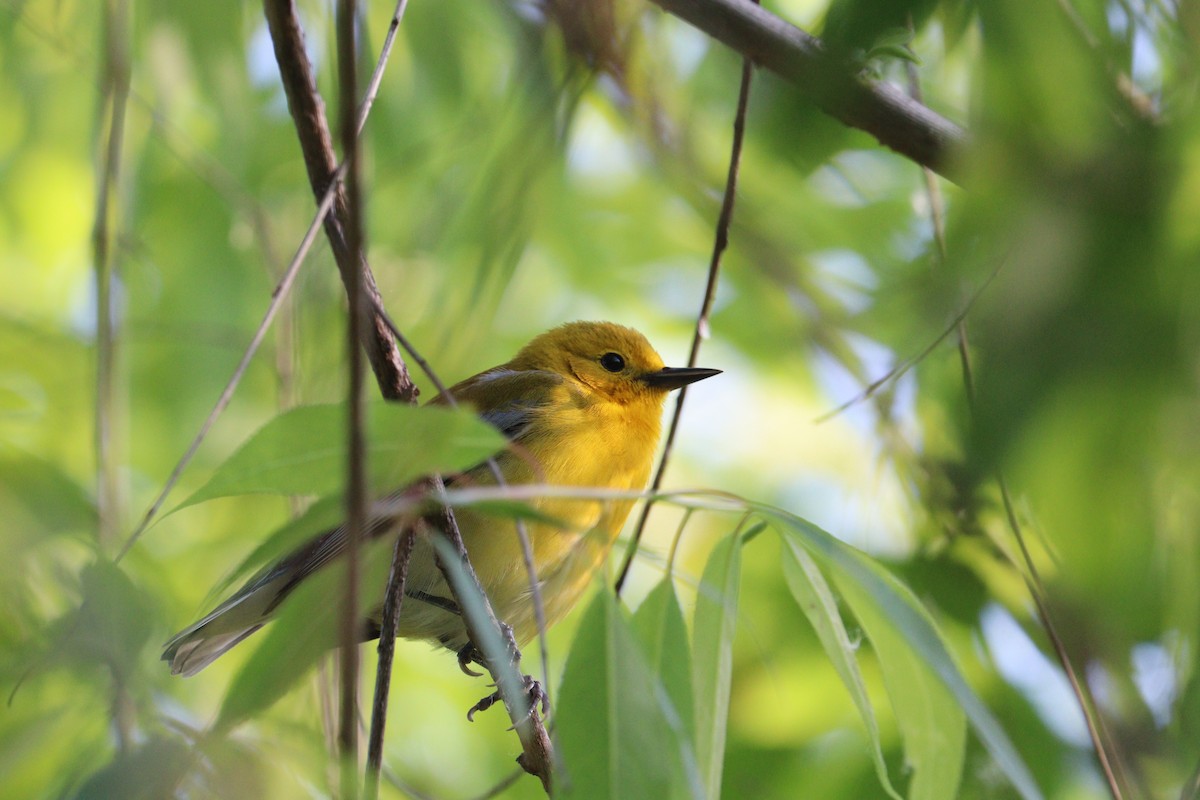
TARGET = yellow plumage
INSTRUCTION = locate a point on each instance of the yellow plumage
(582, 405)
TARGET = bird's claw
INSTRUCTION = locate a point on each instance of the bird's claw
(468, 655)
(536, 695)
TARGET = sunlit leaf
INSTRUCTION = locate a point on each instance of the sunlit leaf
(660, 627)
(932, 722)
(716, 622)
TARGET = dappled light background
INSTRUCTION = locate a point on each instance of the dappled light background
(517, 177)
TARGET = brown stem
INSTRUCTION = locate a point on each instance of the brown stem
(538, 753)
(356, 482)
(1033, 580)
(316, 144)
(389, 628)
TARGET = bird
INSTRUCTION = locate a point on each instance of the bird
(580, 405)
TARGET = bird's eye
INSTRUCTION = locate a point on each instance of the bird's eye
(613, 362)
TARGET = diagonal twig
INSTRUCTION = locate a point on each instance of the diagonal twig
(277, 297)
(720, 242)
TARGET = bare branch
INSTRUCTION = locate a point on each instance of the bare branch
(897, 121)
(389, 629)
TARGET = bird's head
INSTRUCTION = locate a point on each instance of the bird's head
(611, 360)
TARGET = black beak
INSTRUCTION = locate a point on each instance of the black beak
(677, 377)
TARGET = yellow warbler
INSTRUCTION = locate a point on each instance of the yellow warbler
(582, 405)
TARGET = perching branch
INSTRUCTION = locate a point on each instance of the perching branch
(896, 120)
(391, 372)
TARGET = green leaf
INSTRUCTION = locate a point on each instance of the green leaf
(301, 451)
(615, 729)
(715, 625)
(305, 628)
(859, 577)
(146, 773)
(41, 496)
(816, 600)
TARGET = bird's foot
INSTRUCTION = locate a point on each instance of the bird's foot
(534, 693)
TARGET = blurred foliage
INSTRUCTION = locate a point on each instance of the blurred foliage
(532, 163)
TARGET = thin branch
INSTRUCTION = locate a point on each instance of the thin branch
(384, 53)
(389, 626)
(720, 242)
(904, 366)
(897, 121)
(113, 102)
(389, 629)
(538, 753)
(1097, 732)
(501, 786)
(356, 452)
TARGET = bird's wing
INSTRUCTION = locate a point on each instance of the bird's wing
(507, 399)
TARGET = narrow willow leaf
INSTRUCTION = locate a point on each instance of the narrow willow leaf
(816, 600)
(850, 568)
(933, 724)
(613, 735)
(660, 627)
(301, 451)
(305, 627)
(715, 625)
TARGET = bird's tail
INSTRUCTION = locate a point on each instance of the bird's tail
(198, 645)
(193, 649)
